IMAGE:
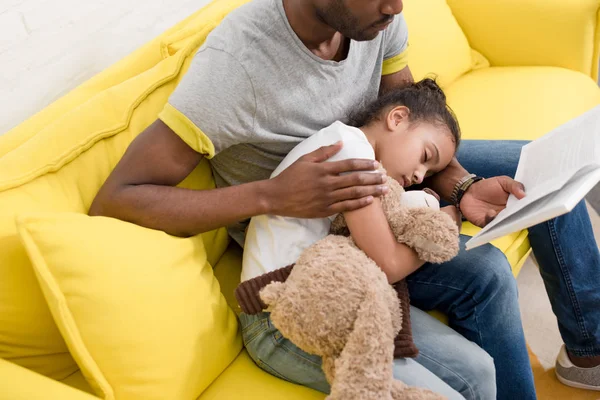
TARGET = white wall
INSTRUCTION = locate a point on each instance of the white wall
(48, 47)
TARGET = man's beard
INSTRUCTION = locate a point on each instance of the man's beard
(337, 16)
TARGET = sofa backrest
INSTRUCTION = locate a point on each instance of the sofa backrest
(437, 45)
(58, 159)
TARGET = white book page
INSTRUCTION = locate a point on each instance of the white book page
(547, 165)
(548, 207)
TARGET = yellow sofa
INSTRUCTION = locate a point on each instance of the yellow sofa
(512, 69)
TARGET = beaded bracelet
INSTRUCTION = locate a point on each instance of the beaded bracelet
(461, 187)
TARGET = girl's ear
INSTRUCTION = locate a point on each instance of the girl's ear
(397, 116)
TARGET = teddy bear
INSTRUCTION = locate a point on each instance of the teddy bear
(337, 303)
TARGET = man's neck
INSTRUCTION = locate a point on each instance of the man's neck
(321, 39)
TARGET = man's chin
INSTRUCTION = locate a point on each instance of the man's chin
(365, 36)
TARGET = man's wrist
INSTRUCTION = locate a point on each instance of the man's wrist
(461, 187)
(266, 197)
(444, 181)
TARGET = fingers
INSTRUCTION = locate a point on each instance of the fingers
(350, 205)
(358, 179)
(323, 153)
(358, 192)
(519, 190)
(489, 216)
(513, 187)
(351, 165)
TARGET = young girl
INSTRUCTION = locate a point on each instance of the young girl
(413, 134)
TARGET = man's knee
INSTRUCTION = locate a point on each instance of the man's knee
(492, 273)
(490, 158)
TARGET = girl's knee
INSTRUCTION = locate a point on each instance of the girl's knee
(474, 376)
(483, 378)
(474, 373)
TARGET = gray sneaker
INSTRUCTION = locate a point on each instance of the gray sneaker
(571, 375)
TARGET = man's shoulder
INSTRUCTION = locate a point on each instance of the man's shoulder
(245, 28)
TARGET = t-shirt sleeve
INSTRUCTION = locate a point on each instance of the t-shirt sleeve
(355, 145)
(354, 148)
(395, 57)
(214, 105)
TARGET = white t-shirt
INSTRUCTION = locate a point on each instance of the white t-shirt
(272, 241)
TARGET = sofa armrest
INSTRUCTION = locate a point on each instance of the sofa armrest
(18, 383)
(533, 32)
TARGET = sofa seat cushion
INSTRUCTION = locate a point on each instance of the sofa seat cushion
(19, 383)
(519, 103)
(243, 380)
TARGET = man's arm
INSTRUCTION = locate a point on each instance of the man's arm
(396, 80)
(141, 189)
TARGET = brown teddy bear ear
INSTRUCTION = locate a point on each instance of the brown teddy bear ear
(271, 293)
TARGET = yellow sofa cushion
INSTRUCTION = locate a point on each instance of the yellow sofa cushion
(141, 311)
(57, 161)
(533, 32)
(518, 103)
(18, 383)
(244, 380)
(521, 103)
(438, 45)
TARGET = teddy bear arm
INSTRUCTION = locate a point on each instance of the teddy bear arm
(432, 234)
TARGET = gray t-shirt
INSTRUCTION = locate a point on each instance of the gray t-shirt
(255, 91)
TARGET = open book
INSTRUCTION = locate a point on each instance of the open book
(558, 170)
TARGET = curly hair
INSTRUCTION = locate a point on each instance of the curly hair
(425, 100)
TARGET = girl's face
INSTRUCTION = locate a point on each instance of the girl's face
(411, 151)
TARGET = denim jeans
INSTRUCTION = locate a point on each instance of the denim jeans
(478, 293)
(456, 367)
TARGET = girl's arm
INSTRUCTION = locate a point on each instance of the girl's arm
(372, 234)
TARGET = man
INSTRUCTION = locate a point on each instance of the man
(275, 72)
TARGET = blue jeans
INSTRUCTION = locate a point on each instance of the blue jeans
(447, 364)
(478, 293)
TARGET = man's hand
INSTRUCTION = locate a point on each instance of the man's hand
(314, 188)
(485, 199)
(454, 214)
